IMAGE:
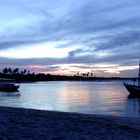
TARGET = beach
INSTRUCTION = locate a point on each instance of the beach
(29, 124)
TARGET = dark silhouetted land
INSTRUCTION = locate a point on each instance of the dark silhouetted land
(48, 77)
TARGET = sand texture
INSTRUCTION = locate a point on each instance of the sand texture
(28, 124)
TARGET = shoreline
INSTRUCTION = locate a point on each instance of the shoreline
(21, 123)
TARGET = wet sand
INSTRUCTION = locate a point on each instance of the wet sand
(29, 124)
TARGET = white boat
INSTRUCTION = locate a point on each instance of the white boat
(8, 85)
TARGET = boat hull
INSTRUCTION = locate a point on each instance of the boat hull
(133, 89)
(9, 88)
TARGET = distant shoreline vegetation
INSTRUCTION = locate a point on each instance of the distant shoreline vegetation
(26, 76)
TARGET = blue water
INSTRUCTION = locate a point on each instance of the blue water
(107, 98)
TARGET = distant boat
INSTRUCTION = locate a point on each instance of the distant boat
(134, 90)
(8, 85)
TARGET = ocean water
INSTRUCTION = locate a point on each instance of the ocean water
(106, 98)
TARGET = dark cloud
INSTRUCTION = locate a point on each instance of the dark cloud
(95, 26)
(126, 40)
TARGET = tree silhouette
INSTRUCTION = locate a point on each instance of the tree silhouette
(10, 70)
(5, 70)
(24, 72)
(28, 71)
(16, 70)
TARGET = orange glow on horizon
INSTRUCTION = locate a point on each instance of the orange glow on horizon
(73, 69)
(56, 73)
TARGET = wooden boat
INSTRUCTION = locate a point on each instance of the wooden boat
(8, 85)
(134, 90)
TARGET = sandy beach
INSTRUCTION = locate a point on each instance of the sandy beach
(28, 124)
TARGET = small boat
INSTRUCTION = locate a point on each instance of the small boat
(8, 85)
(134, 90)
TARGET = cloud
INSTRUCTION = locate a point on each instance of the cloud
(97, 31)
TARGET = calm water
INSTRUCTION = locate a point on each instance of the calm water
(109, 98)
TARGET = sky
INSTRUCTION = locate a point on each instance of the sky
(71, 36)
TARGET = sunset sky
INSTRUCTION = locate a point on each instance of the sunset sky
(70, 36)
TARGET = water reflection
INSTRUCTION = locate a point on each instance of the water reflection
(135, 102)
(68, 94)
(108, 98)
(10, 94)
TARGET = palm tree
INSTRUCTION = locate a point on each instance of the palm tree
(24, 72)
(16, 70)
(10, 70)
(5, 70)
